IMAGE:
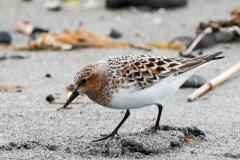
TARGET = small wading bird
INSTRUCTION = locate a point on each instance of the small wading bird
(134, 81)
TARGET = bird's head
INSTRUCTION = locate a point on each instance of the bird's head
(87, 81)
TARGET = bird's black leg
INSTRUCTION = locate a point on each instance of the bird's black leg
(160, 107)
(116, 129)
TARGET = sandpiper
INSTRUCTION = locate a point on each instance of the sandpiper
(134, 81)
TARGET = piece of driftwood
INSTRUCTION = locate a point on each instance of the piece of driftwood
(189, 50)
(235, 122)
(216, 31)
(214, 82)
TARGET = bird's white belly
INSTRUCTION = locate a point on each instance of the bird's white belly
(130, 98)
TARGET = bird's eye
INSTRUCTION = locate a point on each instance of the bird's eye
(84, 81)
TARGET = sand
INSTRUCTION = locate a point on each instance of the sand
(31, 128)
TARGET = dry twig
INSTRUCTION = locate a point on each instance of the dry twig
(190, 140)
(231, 26)
(9, 87)
(235, 122)
(214, 82)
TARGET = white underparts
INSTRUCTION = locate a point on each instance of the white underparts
(131, 98)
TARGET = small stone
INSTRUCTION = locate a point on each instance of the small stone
(70, 88)
(48, 75)
(5, 37)
(13, 144)
(53, 5)
(50, 98)
(51, 147)
(26, 146)
(195, 81)
(115, 34)
(175, 144)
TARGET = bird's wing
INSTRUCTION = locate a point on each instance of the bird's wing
(145, 71)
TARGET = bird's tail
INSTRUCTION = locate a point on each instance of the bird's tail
(200, 61)
(210, 57)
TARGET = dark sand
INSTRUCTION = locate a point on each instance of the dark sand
(31, 128)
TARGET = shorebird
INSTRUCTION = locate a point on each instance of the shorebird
(134, 81)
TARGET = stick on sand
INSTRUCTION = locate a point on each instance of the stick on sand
(214, 82)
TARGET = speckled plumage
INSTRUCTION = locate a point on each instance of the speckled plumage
(131, 74)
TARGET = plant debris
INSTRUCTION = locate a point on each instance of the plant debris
(151, 118)
(190, 140)
(214, 32)
(78, 38)
(4, 57)
(141, 46)
(10, 87)
(18, 57)
(235, 122)
(190, 133)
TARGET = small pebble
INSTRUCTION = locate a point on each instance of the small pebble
(194, 81)
(48, 75)
(5, 37)
(137, 33)
(115, 34)
(50, 98)
(53, 5)
(70, 88)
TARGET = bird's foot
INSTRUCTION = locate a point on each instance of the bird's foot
(152, 130)
(156, 128)
(106, 136)
(111, 135)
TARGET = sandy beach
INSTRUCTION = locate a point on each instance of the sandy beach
(31, 128)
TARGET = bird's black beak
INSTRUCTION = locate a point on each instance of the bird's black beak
(72, 97)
